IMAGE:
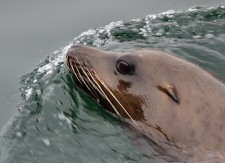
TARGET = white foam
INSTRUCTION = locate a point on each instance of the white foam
(48, 68)
(113, 25)
(192, 9)
(151, 17)
(169, 13)
(44, 68)
(28, 93)
(94, 33)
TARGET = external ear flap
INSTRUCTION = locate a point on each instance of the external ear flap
(171, 92)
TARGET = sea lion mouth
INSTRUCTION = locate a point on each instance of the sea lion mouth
(88, 81)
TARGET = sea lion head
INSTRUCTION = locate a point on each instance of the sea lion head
(124, 83)
(160, 93)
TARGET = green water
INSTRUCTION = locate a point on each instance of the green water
(57, 123)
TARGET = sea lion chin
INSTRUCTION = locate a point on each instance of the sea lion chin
(160, 94)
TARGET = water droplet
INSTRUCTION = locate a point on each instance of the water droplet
(209, 35)
(198, 36)
(46, 141)
(19, 134)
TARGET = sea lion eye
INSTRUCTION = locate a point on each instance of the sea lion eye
(124, 68)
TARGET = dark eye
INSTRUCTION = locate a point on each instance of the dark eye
(124, 68)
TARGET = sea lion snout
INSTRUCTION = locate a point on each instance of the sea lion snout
(75, 51)
(78, 56)
(83, 52)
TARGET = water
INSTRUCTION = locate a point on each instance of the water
(57, 123)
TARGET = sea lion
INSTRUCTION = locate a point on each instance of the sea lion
(163, 96)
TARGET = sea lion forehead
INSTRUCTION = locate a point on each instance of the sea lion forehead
(133, 56)
(149, 52)
(142, 55)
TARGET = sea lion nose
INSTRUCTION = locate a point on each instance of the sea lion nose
(77, 47)
(81, 51)
(75, 50)
(77, 54)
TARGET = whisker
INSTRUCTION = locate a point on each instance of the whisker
(113, 96)
(89, 60)
(83, 80)
(75, 72)
(104, 95)
(97, 86)
(90, 83)
(95, 83)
